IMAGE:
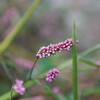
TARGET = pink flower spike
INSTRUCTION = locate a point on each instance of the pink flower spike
(52, 74)
(53, 48)
(18, 87)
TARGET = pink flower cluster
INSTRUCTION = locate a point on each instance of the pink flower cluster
(52, 74)
(53, 48)
(18, 87)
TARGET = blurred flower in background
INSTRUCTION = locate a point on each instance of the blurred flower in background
(9, 14)
(56, 90)
(25, 63)
(34, 98)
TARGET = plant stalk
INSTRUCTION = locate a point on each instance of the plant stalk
(12, 35)
(30, 76)
(62, 66)
(75, 67)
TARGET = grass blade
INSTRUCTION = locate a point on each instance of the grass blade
(91, 63)
(7, 95)
(47, 88)
(75, 69)
(7, 41)
(83, 54)
(62, 66)
(91, 91)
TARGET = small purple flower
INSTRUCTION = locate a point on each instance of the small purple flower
(53, 48)
(52, 74)
(18, 87)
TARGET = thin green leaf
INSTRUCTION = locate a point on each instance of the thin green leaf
(83, 54)
(6, 96)
(47, 88)
(91, 91)
(75, 69)
(69, 62)
(8, 40)
(91, 63)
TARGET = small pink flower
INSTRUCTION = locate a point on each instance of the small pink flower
(52, 74)
(18, 87)
(53, 48)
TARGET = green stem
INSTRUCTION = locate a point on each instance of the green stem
(8, 40)
(30, 76)
(47, 88)
(26, 85)
(62, 66)
(88, 51)
(75, 67)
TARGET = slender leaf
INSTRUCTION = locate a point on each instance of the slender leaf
(47, 88)
(8, 40)
(83, 54)
(75, 69)
(6, 96)
(69, 62)
(91, 91)
(91, 63)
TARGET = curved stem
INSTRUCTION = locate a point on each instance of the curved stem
(32, 69)
(62, 66)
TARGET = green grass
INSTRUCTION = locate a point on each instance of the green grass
(91, 91)
(62, 66)
(12, 35)
(48, 89)
(89, 62)
(75, 67)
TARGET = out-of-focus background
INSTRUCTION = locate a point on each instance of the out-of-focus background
(50, 23)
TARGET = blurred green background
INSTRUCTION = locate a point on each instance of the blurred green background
(50, 23)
